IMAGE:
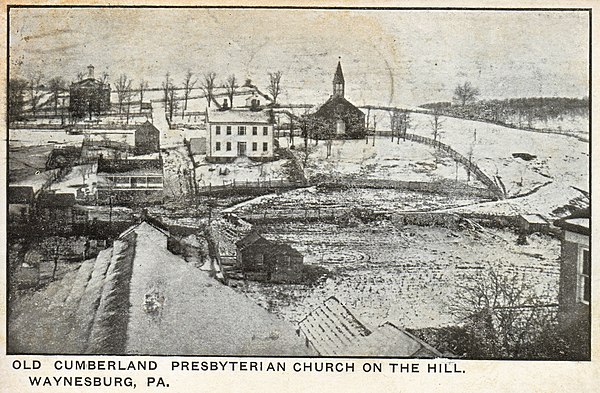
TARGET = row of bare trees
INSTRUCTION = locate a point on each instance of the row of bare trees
(208, 85)
(31, 91)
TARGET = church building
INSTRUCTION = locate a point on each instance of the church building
(347, 120)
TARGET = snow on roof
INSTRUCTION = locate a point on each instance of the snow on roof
(334, 331)
(197, 315)
(390, 340)
(138, 298)
(534, 219)
(234, 116)
(331, 328)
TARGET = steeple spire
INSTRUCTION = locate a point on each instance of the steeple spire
(338, 81)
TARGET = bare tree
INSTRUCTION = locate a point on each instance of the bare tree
(436, 125)
(56, 86)
(188, 85)
(16, 98)
(275, 85)
(230, 86)
(54, 247)
(172, 103)
(208, 86)
(465, 93)
(123, 87)
(166, 86)
(143, 86)
(501, 313)
(80, 76)
(35, 91)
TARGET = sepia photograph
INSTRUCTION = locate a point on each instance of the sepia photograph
(402, 183)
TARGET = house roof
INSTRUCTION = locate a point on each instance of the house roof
(56, 200)
(578, 222)
(332, 328)
(390, 340)
(329, 106)
(20, 194)
(147, 127)
(252, 237)
(334, 331)
(534, 218)
(138, 298)
(239, 116)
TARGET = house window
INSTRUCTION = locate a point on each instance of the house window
(254, 146)
(228, 148)
(583, 276)
(228, 130)
(254, 130)
(218, 146)
(242, 130)
(265, 146)
(218, 130)
(265, 130)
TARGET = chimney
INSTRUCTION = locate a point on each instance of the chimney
(225, 104)
(90, 71)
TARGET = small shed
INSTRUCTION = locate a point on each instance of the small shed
(530, 223)
(264, 260)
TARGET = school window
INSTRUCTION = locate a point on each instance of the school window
(228, 130)
(242, 130)
(265, 146)
(218, 130)
(265, 130)
(218, 146)
(254, 146)
(254, 130)
(228, 148)
(583, 273)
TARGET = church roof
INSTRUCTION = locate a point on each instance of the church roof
(339, 75)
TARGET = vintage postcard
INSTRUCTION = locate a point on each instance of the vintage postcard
(388, 194)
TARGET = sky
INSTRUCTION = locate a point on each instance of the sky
(388, 57)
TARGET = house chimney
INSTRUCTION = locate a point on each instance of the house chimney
(90, 71)
(225, 104)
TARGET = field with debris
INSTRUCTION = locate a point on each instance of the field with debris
(403, 274)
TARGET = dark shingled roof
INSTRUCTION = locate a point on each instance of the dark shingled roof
(20, 194)
(56, 200)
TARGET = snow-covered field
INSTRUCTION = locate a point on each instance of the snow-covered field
(561, 163)
(387, 160)
(240, 171)
(407, 275)
(380, 200)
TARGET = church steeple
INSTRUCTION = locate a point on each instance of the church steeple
(338, 81)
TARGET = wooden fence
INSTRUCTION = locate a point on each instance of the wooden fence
(466, 162)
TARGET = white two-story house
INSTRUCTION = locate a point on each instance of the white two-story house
(239, 132)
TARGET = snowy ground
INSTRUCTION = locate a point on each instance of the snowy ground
(240, 171)
(387, 160)
(407, 275)
(384, 200)
(561, 163)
